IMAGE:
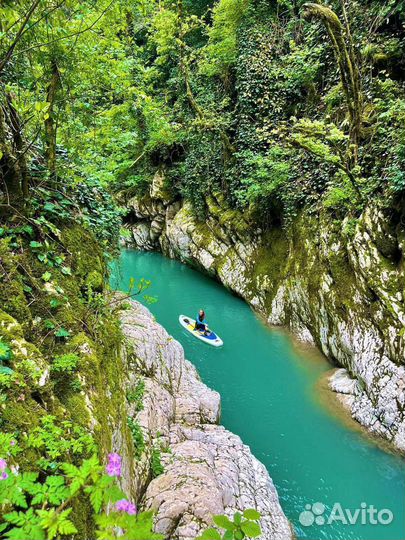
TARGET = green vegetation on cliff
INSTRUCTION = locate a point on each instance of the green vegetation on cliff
(62, 384)
(62, 379)
(266, 107)
(279, 105)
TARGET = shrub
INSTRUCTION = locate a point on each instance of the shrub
(242, 526)
(135, 395)
(5, 352)
(67, 363)
(40, 508)
(340, 199)
(156, 463)
(100, 212)
(59, 441)
(137, 436)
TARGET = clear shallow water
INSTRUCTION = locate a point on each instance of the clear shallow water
(268, 398)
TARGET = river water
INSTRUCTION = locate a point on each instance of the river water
(270, 398)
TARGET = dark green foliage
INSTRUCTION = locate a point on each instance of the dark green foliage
(135, 395)
(155, 463)
(100, 212)
(5, 352)
(268, 79)
(396, 170)
(137, 436)
(201, 171)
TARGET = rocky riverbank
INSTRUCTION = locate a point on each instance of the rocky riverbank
(337, 287)
(207, 469)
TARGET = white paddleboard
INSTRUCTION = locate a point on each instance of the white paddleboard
(189, 324)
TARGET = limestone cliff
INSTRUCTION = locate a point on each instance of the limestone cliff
(339, 286)
(207, 469)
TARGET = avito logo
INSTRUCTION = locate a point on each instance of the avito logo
(315, 514)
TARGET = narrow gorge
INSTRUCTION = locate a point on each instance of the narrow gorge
(202, 276)
(336, 287)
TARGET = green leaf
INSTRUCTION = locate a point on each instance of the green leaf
(252, 514)
(70, 470)
(49, 325)
(251, 529)
(96, 499)
(62, 333)
(224, 522)
(66, 270)
(5, 352)
(237, 518)
(65, 526)
(35, 245)
(46, 276)
(49, 207)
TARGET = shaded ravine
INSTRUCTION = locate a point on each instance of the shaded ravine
(267, 391)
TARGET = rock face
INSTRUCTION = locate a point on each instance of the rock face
(207, 469)
(340, 288)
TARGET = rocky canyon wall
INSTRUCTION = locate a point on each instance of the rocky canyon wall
(339, 286)
(207, 469)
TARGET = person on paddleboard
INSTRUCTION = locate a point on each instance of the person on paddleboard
(200, 322)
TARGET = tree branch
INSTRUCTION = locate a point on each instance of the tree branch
(17, 38)
(45, 44)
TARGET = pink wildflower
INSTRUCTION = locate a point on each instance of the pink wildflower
(131, 510)
(114, 465)
(4, 476)
(12, 442)
(3, 464)
(125, 506)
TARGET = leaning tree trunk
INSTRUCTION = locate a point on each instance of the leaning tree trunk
(342, 43)
(228, 148)
(12, 181)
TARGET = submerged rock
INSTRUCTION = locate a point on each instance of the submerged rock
(207, 469)
(337, 286)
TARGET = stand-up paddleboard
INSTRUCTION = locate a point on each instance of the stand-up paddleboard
(189, 324)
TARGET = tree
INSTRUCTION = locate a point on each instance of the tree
(342, 43)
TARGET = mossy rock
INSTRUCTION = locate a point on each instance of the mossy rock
(12, 295)
(95, 281)
(86, 253)
(22, 416)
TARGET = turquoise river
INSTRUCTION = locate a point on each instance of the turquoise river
(270, 397)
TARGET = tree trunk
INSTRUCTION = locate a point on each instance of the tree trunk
(20, 148)
(207, 123)
(342, 43)
(9, 53)
(10, 174)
